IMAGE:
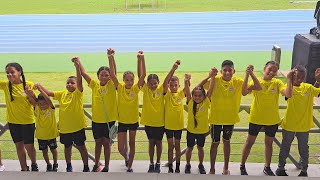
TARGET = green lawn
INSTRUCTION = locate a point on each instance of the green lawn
(107, 6)
(56, 81)
(155, 62)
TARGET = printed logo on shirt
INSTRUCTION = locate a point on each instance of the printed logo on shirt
(23, 93)
(69, 97)
(132, 95)
(201, 109)
(103, 91)
(179, 100)
(231, 89)
(306, 94)
(272, 90)
(47, 114)
(157, 94)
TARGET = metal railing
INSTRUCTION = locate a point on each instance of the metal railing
(243, 107)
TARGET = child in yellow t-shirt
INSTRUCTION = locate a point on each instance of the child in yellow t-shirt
(198, 120)
(20, 114)
(264, 112)
(298, 120)
(224, 111)
(128, 107)
(174, 118)
(46, 126)
(71, 117)
(153, 116)
(104, 108)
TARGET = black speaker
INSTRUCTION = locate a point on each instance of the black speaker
(306, 52)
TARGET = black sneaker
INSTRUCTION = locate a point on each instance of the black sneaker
(55, 167)
(49, 167)
(151, 168)
(86, 168)
(34, 167)
(303, 174)
(281, 172)
(177, 170)
(170, 170)
(267, 171)
(187, 169)
(69, 168)
(105, 169)
(201, 168)
(95, 168)
(243, 170)
(157, 168)
(130, 170)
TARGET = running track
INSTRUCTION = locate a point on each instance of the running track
(170, 32)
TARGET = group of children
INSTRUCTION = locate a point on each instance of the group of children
(213, 106)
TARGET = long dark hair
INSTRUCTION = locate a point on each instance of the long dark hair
(18, 67)
(194, 107)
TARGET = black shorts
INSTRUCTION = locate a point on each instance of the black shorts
(192, 138)
(173, 133)
(154, 132)
(78, 138)
(215, 132)
(44, 144)
(100, 130)
(22, 133)
(270, 131)
(127, 127)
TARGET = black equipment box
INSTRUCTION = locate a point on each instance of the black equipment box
(306, 52)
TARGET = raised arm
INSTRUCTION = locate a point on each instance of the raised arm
(76, 62)
(84, 73)
(31, 96)
(187, 78)
(112, 65)
(169, 76)
(256, 84)
(45, 95)
(288, 91)
(49, 93)
(213, 73)
(141, 68)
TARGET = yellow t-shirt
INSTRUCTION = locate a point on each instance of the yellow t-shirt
(46, 125)
(299, 113)
(174, 103)
(153, 107)
(19, 111)
(128, 104)
(202, 117)
(99, 111)
(226, 99)
(71, 115)
(265, 105)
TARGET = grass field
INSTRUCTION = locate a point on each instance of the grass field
(155, 62)
(56, 81)
(118, 6)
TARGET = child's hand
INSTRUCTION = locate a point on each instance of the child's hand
(110, 52)
(187, 77)
(176, 64)
(213, 72)
(249, 69)
(317, 74)
(76, 61)
(140, 55)
(36, 86)
(291, 74)
(28, 90)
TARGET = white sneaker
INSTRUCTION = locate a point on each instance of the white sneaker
(2, 168)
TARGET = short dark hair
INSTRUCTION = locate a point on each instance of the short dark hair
(153, 76)
(227, 63)
(300, 68)
(103, 68)
(174, 78)
(273, 63)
